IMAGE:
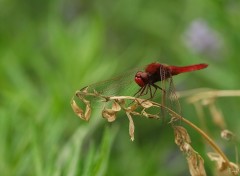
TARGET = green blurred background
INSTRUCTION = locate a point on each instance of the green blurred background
(50, 49)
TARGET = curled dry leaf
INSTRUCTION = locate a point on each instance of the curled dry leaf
(181, 135)
(222, 166)
(131, 126)
(195, 161)
(187, 148)
(146, 104)
(153, 116)
(116, 106)
(79, 112)
(196, 164)
(76, 109)
(110, 114)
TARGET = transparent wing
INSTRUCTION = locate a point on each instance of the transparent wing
(122, 85)
(169, 97)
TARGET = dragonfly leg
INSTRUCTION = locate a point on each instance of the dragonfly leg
(140, 92)
(157, 87)
(146, 92)
(150, 89)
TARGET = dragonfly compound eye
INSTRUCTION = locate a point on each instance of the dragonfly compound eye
(140, 78)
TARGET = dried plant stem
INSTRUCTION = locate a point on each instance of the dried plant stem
(208, 139)
(210, 94)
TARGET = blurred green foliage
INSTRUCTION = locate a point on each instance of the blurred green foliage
(49, 49)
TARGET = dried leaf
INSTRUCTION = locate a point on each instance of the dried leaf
(144, 113)
(195, 161)
(235, 170)
(88, 111)
(187, 148)
(131, 126)
(76, 109)
(110, 114)
(144, 103)
(222, 166)
(196, 164)
(181, 135)
(79, 112)
(116, 106)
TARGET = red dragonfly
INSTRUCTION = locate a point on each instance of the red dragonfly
(148, 81)
(156, 72)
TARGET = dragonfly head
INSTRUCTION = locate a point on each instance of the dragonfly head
(141, 78)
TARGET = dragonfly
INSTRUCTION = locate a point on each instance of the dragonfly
(157, 72)
(145, 83)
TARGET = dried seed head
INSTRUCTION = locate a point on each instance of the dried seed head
(227, 135)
